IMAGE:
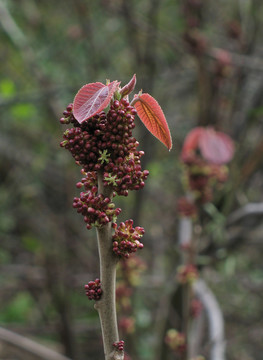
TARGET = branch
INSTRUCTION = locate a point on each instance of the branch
(244, 61)
(215, 319)
(29, 346)
(247, 210)
(106, 306)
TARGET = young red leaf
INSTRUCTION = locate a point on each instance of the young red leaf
(191, 142)
(92, 98)
(128, 88)
(151, 114)
(216, 147)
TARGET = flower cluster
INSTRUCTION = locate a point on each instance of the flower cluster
(202, 177)
(196, 308)
(123, 296)
(93, 290)
(186, 207)
(132, 270)
(128, 275)
(96, 209)
(127, 324)
(175, 340)
(119, 345)
(105, 143)
(126, 239)
(205, 154)
(187, 274)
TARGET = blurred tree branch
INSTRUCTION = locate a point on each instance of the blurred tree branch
(29, 347)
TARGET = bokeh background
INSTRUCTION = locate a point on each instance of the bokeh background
(202, 60)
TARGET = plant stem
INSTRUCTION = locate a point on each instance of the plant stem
(106, 306)
(185, 316)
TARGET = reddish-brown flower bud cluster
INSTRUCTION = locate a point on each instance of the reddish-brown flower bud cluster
(126, 239)
(127, 175)
(119, 345)
(195, 308)
(187, 274)
(105, 142)
(132, 270)
(123, 297)
(127, 324)
(186, 207)
(93, 290)
(175, 340)
(202, 177)
(96, 209)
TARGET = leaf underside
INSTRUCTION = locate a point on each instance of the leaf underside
(91, 99)
(216, 146)
(152, 116)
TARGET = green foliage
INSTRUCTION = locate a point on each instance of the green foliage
(7, 88)
(18, 310)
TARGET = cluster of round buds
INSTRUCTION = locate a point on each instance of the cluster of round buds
(123, 296)
(84, 141)
(175, 340)
(126, 239)
(195, 308)
(119, 345)
(68, 116)
(105, 142)
(187, 274)
(118, 129)
(131, 270)
(202, 177)
(127, 174)
(93, 290)
(127, 324)
(186, 207)
(96, 209)
(89, 181)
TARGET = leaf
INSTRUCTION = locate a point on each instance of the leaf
(216, 147)
(128, 88)
(92, 98)
(191, 142)
(151, 114)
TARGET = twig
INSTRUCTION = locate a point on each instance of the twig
(29, 346)
(106, 306)
(247, 210)
(215, 319)
(250, 62)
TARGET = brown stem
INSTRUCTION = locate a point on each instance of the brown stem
(106, 306)
(186, 290)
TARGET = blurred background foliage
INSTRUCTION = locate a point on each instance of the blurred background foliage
(48, 50)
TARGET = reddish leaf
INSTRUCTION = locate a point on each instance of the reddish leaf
(151, 114)
(216, 146)
(128, 88)
(191, 142)
(92, 99)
